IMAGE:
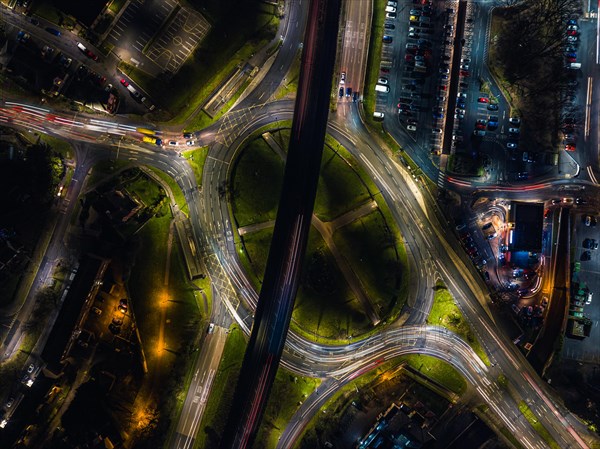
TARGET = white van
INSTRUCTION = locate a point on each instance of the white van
(382, 88)
(81, 47)
(378, 115)
(390, 9)
(575, 65)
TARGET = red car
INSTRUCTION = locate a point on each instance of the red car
(572, 32)
(408, 57)
(465, 73)
(480, 126)
(570, 147)
(383, 69)
(571, 59)
(443, 87)
(483, 100)
(91, 55)
(124, 82)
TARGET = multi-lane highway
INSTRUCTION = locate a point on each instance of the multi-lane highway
(432, 251)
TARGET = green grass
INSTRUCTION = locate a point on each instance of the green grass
(257, 177)
(446, 313)
(196, 158)
(146, 190)
(370, 248)
(182, 317)
(146, 283)
(116, 5)
(288, 391)
(215, 58)
(340, 188)
(46, 11)
(60, 146)
(221, 396)
(325, 308)
(104, 169)
(202, 119)
(374, 61)
(177, 193)
(290, 83)
(343, 186)
(439, 371)
(537, 425)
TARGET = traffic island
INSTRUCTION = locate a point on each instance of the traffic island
(355, 272)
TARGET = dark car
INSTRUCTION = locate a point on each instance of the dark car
(53, 31)
(492, 107)
(389, 26)
(341, 93)
(355, 97)
(586, 255)
(188, 135)
(348, 91)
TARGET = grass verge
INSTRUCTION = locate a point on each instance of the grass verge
(374, 61)
(537, 425)
(177, 193)
(196, 158)
(289, 390)
(445, 313)
(257, 178)
(221, 397)
(372, 251)
(438, 371)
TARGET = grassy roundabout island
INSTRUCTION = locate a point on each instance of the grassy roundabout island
(355, 271)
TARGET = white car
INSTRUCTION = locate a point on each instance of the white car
(513, 130)
(382, 80)
(514, 121)
(343, 78)
(390, 9)
(173, 143)
(411, 127)
(569, 28)
(511, 145)
(190, 143)
(436, 131)
(394, 4)
(30, 368)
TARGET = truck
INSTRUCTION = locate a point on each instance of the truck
(153, 140)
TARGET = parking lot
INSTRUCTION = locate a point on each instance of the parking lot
(139, 23)
(420, 34)
(588, 349)
(178, 40)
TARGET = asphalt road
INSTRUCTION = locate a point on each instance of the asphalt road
(429, 233)
(205, 369)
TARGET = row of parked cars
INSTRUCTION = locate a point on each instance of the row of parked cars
(417, 61)
(572, 67)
